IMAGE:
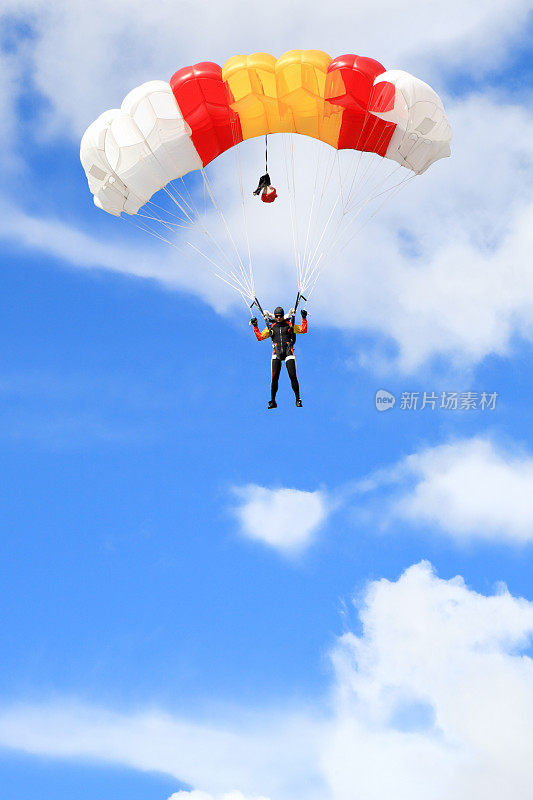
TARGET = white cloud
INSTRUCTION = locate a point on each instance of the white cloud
(285, 519)
(434, 698)
(261, 754)
(77, 248)
(11, 71)
(471, 489)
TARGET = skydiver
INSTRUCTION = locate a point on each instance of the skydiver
(283, 334)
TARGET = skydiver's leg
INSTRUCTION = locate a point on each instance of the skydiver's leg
(290, 363)
(276, 369)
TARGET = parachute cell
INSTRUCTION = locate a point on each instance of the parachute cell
(202, 97)
(421, 131)
(154, 110)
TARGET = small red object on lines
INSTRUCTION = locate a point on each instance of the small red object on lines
(268, 194)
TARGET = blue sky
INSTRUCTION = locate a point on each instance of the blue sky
(134, 430)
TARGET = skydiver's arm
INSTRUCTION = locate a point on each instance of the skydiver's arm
(261, 335)
(301, 328)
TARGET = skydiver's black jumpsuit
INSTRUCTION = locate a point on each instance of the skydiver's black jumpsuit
(283, 336)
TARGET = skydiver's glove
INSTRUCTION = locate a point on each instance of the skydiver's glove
(291, 313)
(267, 315)
(304, 314)
(253, 322)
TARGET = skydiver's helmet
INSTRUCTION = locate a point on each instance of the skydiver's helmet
(279, 313)
(268, 194)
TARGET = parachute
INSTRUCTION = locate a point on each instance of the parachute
(166, 131)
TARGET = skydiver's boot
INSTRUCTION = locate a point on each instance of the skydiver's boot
(298, 403)
(272, 404)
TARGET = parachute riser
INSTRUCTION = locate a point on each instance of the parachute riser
(299, 297)
(258, 305)
(268, 323)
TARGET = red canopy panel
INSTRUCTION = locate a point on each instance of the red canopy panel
(203, 99)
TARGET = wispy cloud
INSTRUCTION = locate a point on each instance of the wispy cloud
(433, 699)
(471, 489)
(260, 754)
(285, 519)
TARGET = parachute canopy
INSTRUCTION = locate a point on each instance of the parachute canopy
(165, 130)
(359, 118)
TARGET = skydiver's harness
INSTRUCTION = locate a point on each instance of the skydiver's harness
(283, 339)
